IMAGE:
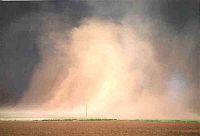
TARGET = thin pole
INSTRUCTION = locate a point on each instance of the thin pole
(86, 111)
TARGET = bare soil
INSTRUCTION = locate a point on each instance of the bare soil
(104, 128)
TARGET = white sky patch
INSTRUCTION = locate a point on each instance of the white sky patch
(177, 85)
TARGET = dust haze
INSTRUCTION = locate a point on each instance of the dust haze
(125, 60)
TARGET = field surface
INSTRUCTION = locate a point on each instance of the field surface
(101, 128)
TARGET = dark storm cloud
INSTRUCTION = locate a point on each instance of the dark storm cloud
(21, 25)
(177, 13)
(18, 50)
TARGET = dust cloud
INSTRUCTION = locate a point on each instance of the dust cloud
(125, 66)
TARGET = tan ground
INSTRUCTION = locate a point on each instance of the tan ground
(110, 128)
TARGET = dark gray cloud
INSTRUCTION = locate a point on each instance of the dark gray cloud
(21, 25)
(179, 13)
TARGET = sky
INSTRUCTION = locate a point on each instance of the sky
(132, 59)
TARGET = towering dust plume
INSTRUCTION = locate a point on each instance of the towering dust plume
(124, 61)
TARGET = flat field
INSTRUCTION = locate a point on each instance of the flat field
(98, 128)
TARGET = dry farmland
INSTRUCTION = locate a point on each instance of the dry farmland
(101, 128)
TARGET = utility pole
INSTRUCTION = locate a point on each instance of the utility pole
(86, 111)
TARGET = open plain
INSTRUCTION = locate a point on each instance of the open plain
(98, 128)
